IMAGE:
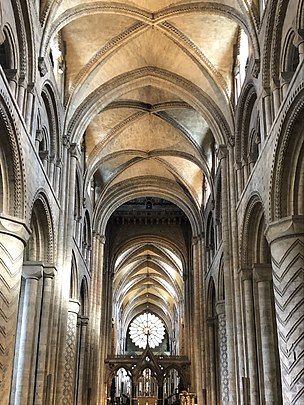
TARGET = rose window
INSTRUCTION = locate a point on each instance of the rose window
(145, 328)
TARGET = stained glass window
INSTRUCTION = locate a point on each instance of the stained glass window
(145, 327)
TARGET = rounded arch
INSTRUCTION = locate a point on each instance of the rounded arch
(244, 113)
(289, 54)
(141, 187)
(12, 170)
(221, 281)
(211, 299)
(41, 245)
(53, 118)
(84, 297)
(253, 244)
(9, 50)
(287, 189)
(74, 293)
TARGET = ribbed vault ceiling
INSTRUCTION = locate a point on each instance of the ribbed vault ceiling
(149, 83)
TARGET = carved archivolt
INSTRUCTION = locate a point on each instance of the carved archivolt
(15, 168)
(283, 162)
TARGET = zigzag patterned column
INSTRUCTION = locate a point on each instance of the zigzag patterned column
(286, 238)
(70, 354)
(12, 235)
(222, 339)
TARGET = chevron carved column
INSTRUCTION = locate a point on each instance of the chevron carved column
(13, 235)
(286, 238)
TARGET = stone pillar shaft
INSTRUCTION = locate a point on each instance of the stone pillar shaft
(44, 337)
(81, 383)
(70, 355)
(31, 273)
(228, 276)
(286, 238)
(12, 235)
(263, 276)
(250, 337)
(223, 363)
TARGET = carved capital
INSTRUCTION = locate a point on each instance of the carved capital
(262, 272)
(246, 274)
(285, 228)
(49, 271)
(39, 135)
(74, 306)
(220, 308)
(82, 320)
(14, 227)
(32, 270)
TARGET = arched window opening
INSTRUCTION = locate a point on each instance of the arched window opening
(57, 60)
(123, 387)
(210, 240)
(290, 60)
(172, 387)
(240, 62)
(5, 55)
(86, 238)
(78, 211)
(147, 384)
(73, 292)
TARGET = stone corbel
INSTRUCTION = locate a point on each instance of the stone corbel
(42, 66)
(221, 151)
(75, 151)
(255, 69)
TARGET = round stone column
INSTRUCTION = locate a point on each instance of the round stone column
(13, 235)
(49, 273)
(223, 359)
(250, 334)
(262, 275)
(81, 383)
(286, 239)
(69, 382)
(31, 273)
